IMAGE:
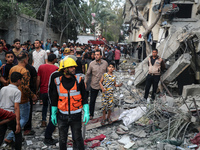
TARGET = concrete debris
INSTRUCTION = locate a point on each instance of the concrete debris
(126, 141)
(170, 147)
(121, 131)
(132, 115)
(143, 126)
(123, 127)
(172, 47)
(190, 90)
(177, 68)
(114, 136)
(139, 133)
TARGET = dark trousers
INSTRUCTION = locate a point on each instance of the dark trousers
(93, 97)
(116, 64)
(28, 125)
(139, 55)
(151, 80)
(18, 137)
(74, 121)
(45, 100)
(50, 128)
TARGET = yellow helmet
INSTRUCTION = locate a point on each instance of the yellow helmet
(65, 63)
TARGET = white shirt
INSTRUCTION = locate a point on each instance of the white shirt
(39, 58)
(56, 53)
(102, 50)
(9, 95)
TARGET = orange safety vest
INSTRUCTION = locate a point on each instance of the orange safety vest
(75, 100)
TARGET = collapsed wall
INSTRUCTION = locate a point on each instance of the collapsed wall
(181, 64)
(166, 49)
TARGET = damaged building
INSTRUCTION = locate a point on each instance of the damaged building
(175, 35)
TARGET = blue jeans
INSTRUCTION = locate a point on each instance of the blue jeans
(45, 100)
(24, 116)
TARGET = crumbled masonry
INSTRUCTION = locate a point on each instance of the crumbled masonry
(167, 123)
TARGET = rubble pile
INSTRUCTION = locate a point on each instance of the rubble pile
(170, 122)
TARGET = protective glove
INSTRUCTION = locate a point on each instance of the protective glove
(54, 110)
(86, 116)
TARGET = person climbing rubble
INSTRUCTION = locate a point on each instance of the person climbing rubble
(156, 65)
(68, 99)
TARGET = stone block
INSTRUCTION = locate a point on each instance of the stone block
(190, 90)
(170, 147)
(179, 66)
(165, 50)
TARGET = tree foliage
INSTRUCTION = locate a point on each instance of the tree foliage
(109, 15)
(8, 10)
(70, 17)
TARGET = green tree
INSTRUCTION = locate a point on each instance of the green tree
(109, 16)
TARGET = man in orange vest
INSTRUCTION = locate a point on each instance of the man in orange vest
(69, 98)
(156, 64)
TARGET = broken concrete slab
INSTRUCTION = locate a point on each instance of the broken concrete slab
(170, 101)
(139, 133)
(178, 67)
(114, 136)
(123, 127)
(190, 90)
(170, 147)
(126, 141)
(166, 49)
(121, 131)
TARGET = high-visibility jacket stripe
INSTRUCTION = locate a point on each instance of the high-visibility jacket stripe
(75, 101)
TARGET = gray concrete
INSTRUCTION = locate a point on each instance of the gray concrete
(26, 28)
(166, 49)
(179, 66)
(191, 90)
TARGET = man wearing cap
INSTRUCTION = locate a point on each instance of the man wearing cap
(66, 52)
(68, 98)
(63, 47)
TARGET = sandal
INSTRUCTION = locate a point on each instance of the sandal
(41, 102)
(109, 121)
(103, 122)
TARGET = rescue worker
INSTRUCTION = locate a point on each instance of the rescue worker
(156, 65)
(68, 96)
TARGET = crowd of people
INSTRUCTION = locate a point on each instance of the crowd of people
(59, 77)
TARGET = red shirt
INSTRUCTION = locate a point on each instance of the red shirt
(44, 71)
(117, 54)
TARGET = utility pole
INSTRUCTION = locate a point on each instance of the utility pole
(45, 21)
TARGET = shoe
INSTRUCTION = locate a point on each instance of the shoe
(7, 141)
(103, 122)
(91, 117)
(41, 102)
(109, 121)
(44, 124)
(50, 141)
(29, 132)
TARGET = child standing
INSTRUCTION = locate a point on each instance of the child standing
(10, 97)
(107, 83)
